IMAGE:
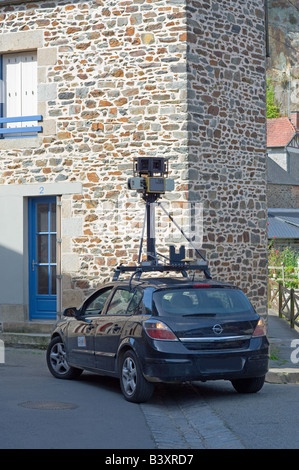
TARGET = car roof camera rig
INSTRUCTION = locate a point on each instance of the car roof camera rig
(150, 179)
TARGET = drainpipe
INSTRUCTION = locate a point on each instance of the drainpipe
(267, 29)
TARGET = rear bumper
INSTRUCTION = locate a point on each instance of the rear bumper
(228, 365)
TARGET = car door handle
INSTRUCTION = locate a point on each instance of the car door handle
(116, 328)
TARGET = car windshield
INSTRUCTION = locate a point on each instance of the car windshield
(201, 301)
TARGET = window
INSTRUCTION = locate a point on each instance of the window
(124, 302)
(96, 304)
(210, 302)
(19, 94)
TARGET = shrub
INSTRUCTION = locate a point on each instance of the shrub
(273, 110)
(289, 259)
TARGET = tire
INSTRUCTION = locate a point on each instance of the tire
(252, 385)
(134, 386)
(57, 363)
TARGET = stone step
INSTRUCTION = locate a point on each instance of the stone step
(35, 334)
(42, 326)
(26, 340)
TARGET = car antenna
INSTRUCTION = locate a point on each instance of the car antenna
(151, 180)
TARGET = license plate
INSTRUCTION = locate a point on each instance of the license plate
(228, 364)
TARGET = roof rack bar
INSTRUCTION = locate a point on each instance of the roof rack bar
(182, 268)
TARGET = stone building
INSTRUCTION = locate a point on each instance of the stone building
(95, 83)
(283, 181)
(283, 162)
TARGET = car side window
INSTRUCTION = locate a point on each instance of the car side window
(96, 303)
(123, 302)
(135, 301)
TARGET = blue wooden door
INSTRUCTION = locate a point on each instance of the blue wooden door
(42, 257)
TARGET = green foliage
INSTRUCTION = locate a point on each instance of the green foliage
(273, 110)
(289, 259)
(287, 256)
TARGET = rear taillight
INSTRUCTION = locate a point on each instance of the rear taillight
(158, 330)
(260, 329)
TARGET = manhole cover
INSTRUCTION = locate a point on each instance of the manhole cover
(48, 405)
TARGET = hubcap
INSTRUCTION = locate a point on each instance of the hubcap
(58, 359)
(129, 376)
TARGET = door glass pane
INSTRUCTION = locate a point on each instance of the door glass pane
(120, 302)
(96, 305)
(53, 280)
(42, 217)
(53, 249)
(42, 280)
(42, 249)
(53, 217)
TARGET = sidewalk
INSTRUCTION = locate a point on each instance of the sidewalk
(280, 335)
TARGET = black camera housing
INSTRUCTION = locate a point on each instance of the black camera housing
(151, 166)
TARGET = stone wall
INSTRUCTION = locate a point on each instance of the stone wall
(112, 84)
(283, 195)
(226, 90)
(172, 78)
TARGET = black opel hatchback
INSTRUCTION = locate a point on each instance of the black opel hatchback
(162, 330)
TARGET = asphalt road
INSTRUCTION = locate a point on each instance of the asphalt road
(40, 412)
(219, 418)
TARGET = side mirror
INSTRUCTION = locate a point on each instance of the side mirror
(70, 312)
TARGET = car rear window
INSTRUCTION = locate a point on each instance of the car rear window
(201, 301)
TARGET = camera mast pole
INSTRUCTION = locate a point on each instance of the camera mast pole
(150, 179)
(150, 201)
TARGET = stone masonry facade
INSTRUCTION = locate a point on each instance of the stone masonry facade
(226, 151)
(181, 79)
(283, 195)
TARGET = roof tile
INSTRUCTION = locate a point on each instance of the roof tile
(279, 132)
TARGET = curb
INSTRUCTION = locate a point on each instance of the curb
(26, 340)
(282, 376)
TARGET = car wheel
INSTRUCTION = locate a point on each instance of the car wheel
(133, 385)
(57, 363)
(252, 385)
